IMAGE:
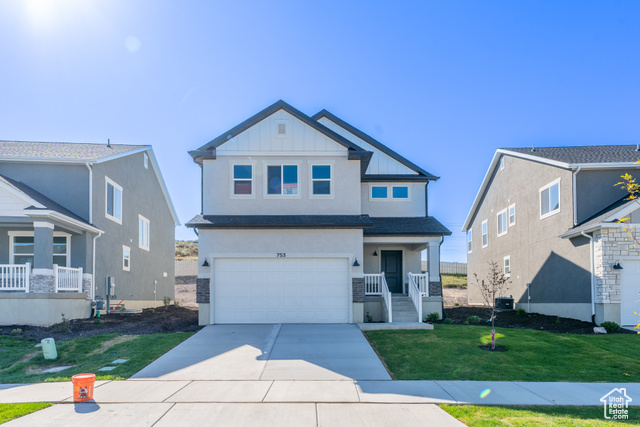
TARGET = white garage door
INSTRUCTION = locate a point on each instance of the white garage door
(630, 295)
(281, 290)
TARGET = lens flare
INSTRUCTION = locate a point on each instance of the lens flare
(484, 393)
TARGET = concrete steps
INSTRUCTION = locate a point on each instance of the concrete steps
(403, 309)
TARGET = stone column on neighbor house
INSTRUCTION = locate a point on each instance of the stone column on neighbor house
(433, 269)
(609, 245)
(86, 284)
(42, 279)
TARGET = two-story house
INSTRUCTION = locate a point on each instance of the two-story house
(549, 217)
(79, 222)
(309, 220)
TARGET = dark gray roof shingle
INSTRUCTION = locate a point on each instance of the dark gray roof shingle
(280, 221)
(63, 150)
(600, 217)
(415, 226)
(584, 154)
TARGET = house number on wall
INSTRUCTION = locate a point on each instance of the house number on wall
(281, 255)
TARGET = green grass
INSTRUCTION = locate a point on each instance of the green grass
(11, 411)
(534, 416)
(20, 362)
(454, 281)
(450, 352)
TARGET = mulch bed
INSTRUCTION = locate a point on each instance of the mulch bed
(170, 319)
(511, 319)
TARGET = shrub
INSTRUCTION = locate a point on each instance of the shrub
(455, 304)
(447, 321)
(166, 325)
(97, 321)
(368, 317)
(152, 310)
(558, 320)
(433, 317)
(122, 309)
(16, 331)
(176, 303)
(521, 312)
(610, 327)
(64, 326)
(473, 319)
(166, 301)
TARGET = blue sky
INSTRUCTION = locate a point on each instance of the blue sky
(442, 83)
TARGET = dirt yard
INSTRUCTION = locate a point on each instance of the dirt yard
(454, 295)
(186, 291)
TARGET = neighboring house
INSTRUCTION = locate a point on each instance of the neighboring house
(300, 217)
(72, 215)
(549, 217)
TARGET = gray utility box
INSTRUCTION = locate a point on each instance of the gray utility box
(504, 304)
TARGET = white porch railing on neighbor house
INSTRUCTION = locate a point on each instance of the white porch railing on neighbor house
(421, 282)
(15, 277)
(416, 295)
(68, 279)
(376, 284)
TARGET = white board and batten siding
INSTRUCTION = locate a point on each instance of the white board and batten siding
(381, 163)
(11, 205)
(630, 293)
(263, 138)
(280, 290)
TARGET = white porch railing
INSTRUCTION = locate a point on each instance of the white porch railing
(376, 284)
(68, 279)
(421, 281)
(15, 277)
(416, 295)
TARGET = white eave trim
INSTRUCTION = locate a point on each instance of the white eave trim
(592, 228)
(62, 218)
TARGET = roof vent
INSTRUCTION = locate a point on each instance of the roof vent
(637, 147)
(533, 149)
(108, 143)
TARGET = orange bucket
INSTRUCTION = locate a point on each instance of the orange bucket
(83, 387)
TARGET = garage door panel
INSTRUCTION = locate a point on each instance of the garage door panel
(292, 290)
(630, 294)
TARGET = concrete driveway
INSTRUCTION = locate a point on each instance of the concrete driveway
(270, 352)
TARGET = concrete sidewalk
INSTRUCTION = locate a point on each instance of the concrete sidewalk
(285, 391)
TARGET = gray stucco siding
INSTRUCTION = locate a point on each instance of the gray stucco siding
(67, 185)
(141, 195)
(558, 269)
(596, 190)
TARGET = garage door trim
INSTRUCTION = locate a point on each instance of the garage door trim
(275, 255)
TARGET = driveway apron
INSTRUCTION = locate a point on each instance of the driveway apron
(270, 352)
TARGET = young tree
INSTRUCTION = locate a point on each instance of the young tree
(490, 288)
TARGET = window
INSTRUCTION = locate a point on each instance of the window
(502, 222)
(321, 180)
(400, 192)
(378, 192)
(22, 248)
(507, 266)
(243, 180)
(485, 234)
(281, 128)
(143, 232)
(550, 199)
(512, 215)
(146, 160)
(502, 163)
(126, 258)
(113, 203)
(282, 180)
(469, 241)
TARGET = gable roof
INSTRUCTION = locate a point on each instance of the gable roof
(81, 153)
(35, 150)
(375, 143)
(607, 217)
(38, 201)
(583, 157)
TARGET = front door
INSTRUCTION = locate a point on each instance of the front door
(392, 267)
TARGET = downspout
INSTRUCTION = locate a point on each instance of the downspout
(93, 268)
(440, 277)
(426, 200)
(593, 277)
(90, 192)
(575, 197)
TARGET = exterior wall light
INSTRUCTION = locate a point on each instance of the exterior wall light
(205, 263)
(375, 253)
(617, 266)
(355, 263)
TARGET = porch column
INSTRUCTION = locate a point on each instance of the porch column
(433, 261)
(43, 245)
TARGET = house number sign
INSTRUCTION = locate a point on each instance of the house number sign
(281, 255)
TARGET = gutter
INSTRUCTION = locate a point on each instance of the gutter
(575, 197)
(593, 277)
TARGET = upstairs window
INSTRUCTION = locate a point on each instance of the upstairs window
(321, 180)
(512, 215)
(502, 222)
(113, 203)
(143, 232)
(485, 234)
(282, 180)
(469, 241)
(378, 192)
(550, 199)
(243, 180)
(400, 192)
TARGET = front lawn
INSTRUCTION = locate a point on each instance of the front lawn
(533, 416)
(21, 362)
(11, 411)
(450, 352)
